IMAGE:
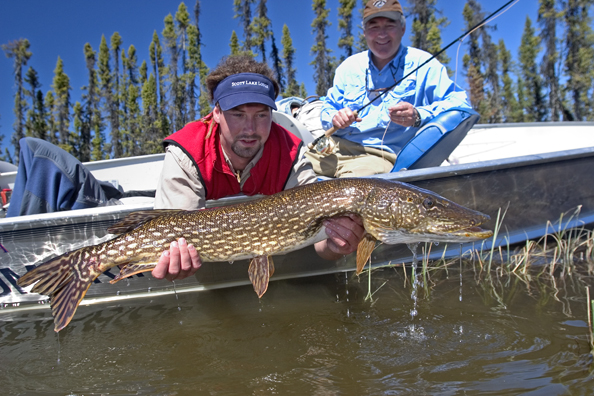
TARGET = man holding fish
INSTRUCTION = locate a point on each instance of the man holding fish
(238, 149)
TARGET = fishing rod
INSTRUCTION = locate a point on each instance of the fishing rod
(469, 31)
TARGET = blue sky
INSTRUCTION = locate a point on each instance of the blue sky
(62, 27)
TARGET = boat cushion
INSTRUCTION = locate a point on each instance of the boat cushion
(434, 142)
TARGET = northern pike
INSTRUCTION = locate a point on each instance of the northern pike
(392, 213)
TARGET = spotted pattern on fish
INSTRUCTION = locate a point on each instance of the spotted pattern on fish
(392, 212)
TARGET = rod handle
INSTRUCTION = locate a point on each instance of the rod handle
(330, 131)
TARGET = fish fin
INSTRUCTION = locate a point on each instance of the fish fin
(364, 250)
(270, 267)
(132, 269)
(260, 270)
(65, 279)
(135, 219)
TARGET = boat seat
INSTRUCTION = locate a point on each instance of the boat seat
(434, 142)
(292, 125)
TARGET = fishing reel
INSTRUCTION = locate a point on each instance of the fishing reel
(324, 145)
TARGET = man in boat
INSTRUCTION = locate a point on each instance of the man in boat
(369, 142)
(237, 149)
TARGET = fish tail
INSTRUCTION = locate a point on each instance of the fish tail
(65, 279)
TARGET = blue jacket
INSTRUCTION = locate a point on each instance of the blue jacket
(429, 89)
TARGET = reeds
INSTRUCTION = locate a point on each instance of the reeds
(564, 255)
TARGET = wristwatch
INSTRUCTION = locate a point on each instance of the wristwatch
(417, 119)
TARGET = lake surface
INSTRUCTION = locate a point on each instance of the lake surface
(447, 335)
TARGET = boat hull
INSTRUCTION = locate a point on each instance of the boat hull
(534, 192)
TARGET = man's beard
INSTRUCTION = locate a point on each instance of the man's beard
(246, 152)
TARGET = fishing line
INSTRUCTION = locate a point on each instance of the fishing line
(461, 37)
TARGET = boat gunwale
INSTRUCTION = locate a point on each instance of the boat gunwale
(107, 212)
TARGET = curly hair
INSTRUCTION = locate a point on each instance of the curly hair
(235, 64)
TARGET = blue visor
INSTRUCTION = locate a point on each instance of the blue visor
(242, 88)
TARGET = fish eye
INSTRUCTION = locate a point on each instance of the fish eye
(428, 203)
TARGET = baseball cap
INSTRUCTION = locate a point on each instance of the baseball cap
(242, 88)
(382, 8)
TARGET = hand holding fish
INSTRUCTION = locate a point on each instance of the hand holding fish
(179, 262)
(344, 234)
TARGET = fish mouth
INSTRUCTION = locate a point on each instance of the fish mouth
(471, 233)
(463, 235)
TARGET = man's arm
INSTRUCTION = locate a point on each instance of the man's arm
(179, 186)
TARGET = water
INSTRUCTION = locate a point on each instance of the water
(313, 336)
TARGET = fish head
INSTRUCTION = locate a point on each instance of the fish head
(418, 215)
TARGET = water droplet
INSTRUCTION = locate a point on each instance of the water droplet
(118, 293)
(149, 289)
(230, 261)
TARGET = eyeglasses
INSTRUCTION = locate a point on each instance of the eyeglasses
(373, 93)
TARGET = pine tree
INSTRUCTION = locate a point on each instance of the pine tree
(105, 85)
(130, 108)
(472, 60)
(19, 50)
(159, 72)
(40, 127)
(133, 121)
(35, 123)
(345, 24)
(50, 120)
(534, 101)
(277, 64)
(142, 73)
(61, 88)
(426, 27)
(76, 134)
(182, 19)
(493, 112)
(361, 44)
(511, 110)
(580, 52)
(547, 18)
(203, 100)
(114, 110)
(6, 157)
(302, 91)
(151, 136)
(323, 63)
(260, 27)
(234, 44)
(292, 89)
(193, 67)
(243, 11)
(92, 120)
(175, 112)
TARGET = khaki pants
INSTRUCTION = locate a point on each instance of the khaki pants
(351, 160)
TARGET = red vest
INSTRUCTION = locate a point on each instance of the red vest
(268, 176)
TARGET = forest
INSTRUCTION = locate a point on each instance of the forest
(129, 105)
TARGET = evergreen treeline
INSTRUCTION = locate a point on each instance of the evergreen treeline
(138, 103)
